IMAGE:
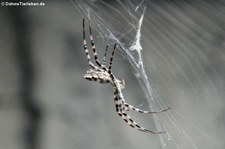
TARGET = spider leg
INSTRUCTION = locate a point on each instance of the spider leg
(111, 59)
(86, 49)
(134, 124)
(130, 107)
(119, 109)
(94, 49)
(104, 58)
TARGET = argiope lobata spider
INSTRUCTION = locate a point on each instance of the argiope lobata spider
(104, 75)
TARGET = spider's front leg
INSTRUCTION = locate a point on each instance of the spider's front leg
(128, 107)
(119, 104)
(132, 123)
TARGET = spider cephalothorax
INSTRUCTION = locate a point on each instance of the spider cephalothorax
(104, 75)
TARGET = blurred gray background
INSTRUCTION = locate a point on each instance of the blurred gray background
(46, 104)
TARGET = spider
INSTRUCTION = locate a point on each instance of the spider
(104, 75)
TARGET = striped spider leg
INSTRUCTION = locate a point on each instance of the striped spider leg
(104, 75)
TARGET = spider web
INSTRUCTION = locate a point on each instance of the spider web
(122, 22)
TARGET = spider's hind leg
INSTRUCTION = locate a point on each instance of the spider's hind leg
(93, 48)
(86, 49)
(111, 59)
(104, 57)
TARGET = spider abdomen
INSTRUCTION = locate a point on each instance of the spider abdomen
(101, 76)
